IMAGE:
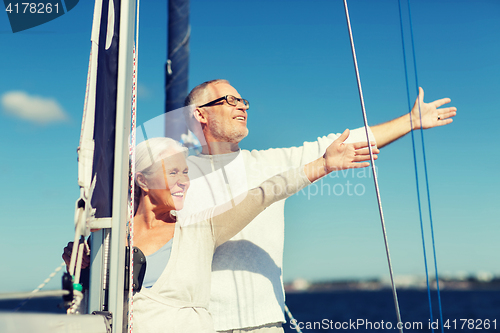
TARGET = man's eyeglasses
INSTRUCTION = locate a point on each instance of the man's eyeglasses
(230, 99)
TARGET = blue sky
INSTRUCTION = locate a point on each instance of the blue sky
(292, 61)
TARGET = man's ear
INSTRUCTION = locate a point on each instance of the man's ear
(200, 115)
(141, 181)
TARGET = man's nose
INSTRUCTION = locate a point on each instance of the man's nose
(242, 106)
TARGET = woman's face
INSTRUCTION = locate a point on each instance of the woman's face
(170, 182)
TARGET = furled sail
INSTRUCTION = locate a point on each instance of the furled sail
(103, 152)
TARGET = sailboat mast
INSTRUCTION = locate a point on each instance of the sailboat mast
(121, 167)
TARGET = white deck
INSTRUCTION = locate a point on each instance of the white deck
(11, 322)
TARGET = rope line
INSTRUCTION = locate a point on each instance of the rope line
(37, 289)
(292, 319)
(379, 201)
(132, 173)
(426, 173)
(415, 165)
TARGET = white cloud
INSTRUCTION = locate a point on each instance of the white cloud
(32, 108)
(143, 91)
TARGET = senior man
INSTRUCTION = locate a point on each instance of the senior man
(247, 287)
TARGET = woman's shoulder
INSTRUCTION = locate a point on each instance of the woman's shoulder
(196, 219)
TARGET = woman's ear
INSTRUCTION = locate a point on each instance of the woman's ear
(141, 181)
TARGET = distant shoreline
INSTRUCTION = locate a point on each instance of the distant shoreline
(407, 283)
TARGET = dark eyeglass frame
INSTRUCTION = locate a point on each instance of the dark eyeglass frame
(244, 101)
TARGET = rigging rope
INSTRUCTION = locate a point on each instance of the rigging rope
(425, 169)
(394, 293)
(37, 289)
(415, 166)
(132, 173)
(292, 319)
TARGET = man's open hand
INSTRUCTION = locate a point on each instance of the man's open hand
(427, 115)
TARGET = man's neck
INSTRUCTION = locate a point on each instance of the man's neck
(217, 148)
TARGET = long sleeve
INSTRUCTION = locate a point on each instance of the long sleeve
(254, 256)
(308, 152)
(229, 221)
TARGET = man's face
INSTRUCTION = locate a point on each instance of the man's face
(225, 123)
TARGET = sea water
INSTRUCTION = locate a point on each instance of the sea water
(374, 311)
(365, 311)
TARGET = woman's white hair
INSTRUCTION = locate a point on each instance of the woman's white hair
(147, 153)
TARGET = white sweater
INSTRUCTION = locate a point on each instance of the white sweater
(178, 301)
(247, 285)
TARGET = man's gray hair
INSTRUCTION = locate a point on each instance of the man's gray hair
(200, 93)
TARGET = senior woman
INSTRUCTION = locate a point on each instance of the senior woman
(179, 282)
(176, 287)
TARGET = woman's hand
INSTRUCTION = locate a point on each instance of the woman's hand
(341, 156)
(66, 256)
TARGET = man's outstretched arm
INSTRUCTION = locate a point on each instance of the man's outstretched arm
(390, 131)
